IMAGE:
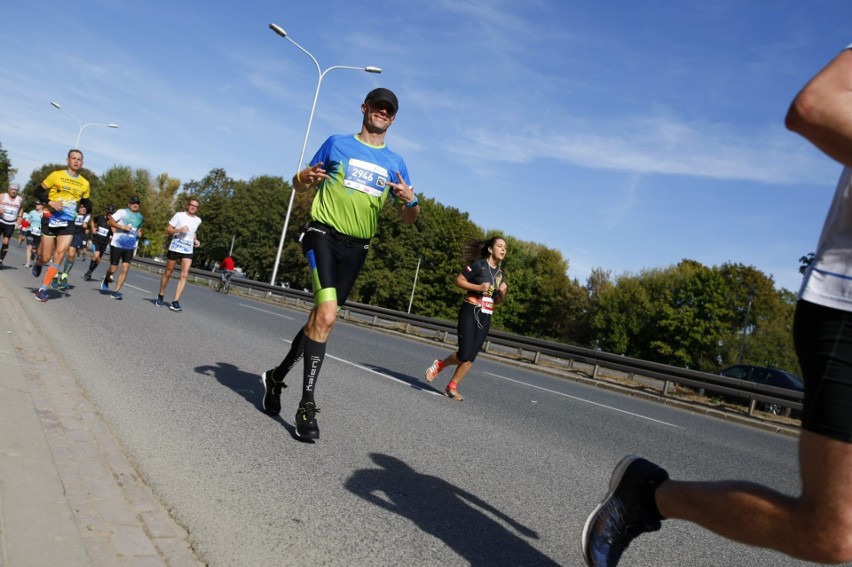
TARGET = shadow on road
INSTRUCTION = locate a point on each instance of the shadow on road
(246, 384)
(415, 383)
(475, 530)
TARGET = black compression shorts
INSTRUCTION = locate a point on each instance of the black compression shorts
(6, 230)
(123, 255)
(335, 260)
(472, 329)
(177, 256)
(823, 338)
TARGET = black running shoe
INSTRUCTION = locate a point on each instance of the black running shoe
(621, 516)
(306, 421)
(271, 393)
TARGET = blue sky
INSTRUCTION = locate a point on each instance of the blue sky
(626, 135)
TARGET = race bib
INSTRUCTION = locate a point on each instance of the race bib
(35, 230)
(10, 214)
(56, 223)
(68, 212)
(79, 220)
(181, 246)
(365, 177)
(487, 305)
(103, 231)
(126, 241)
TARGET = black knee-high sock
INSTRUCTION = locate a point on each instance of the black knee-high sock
(3, 250)
(92, 265)
(314, 355)
(297, 348)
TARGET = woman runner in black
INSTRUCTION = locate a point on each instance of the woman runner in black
(485, 284)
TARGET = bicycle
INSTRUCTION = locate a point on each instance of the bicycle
(225, 285)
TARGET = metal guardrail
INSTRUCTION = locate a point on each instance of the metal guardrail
(530, 349)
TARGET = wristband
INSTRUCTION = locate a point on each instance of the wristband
(299, 179)
(412, 204)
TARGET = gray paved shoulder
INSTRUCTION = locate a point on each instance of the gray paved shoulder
(68, 494)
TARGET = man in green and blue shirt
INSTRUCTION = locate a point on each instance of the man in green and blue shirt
(354, 175)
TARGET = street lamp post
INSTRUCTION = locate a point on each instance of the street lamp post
(751, 294)
(321, 74)
(414, 285)
(81, 126)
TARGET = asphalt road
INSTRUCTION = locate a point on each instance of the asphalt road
(401, 474)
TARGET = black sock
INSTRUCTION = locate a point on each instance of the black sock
(3, 250)
(92, 266)
(297, 349)
(314, 355)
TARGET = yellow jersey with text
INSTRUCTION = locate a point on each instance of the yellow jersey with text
(67, 189)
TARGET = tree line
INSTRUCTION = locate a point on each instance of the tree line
(687, 315)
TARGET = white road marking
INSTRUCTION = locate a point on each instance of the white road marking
(585, 401)
(264, 310)
(381, 374)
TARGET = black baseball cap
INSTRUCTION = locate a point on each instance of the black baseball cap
(383, 95)
(134, 199)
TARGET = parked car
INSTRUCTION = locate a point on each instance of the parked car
(766, 376)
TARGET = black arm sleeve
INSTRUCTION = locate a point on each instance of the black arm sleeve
(41, 193)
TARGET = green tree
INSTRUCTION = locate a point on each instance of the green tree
(690, 315)
(239, 213)
(766, 338)
(436, 238)
(620, 321)
(7, 172)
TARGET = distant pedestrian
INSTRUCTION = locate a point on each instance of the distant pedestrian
(485, 284)
(182, 228)
(24, 230)
(815, 525)
(126, 225)
(10, 217)
(101, 233)
(227, 266)
(34, 217)
(63, 191)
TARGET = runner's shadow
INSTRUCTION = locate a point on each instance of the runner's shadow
(246, 384)
(52, 294)
(479, 533)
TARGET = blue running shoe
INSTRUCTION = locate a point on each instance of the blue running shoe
(41, 295)
(175, 306)
(55, 283)
(117, 295)
(36, 270)
(104, 287)
(623, 514)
